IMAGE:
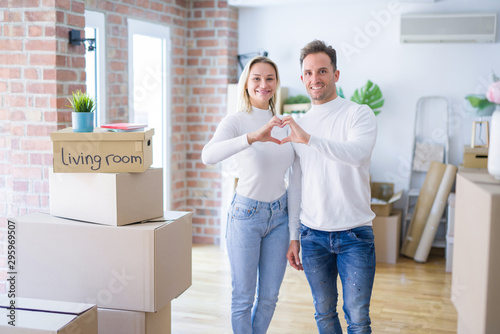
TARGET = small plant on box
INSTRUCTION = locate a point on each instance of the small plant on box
(83, 111)
(82, 102)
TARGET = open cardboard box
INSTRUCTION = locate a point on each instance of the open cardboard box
(36, 316)
(137, 267)
(387, 232)
(382, 207)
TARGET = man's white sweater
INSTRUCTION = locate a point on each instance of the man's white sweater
(330, 175)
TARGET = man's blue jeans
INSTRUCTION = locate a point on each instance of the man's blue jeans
(257, 243)
(351, 255)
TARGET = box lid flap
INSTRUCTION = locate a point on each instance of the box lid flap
(45, 218)
(52, 306)
(39, 321)
(100, 134)
(168, 218)
(394, 198)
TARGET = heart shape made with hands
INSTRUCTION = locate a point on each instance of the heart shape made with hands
(264, 133)
(297, 135)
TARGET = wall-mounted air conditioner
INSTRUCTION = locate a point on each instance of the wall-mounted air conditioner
(449, 28)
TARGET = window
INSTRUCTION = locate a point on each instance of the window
(95, 63)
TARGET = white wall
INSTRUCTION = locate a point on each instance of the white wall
(404, 72)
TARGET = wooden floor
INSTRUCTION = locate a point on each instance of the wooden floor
(407, 298)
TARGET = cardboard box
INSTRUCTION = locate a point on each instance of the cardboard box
(476, 157)
(138, 267)
(102, 151)
(130, 322)
(379, 206)
(107, 198)
(387, 232)
(34, 316)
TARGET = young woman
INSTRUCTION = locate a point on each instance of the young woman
(257, 228)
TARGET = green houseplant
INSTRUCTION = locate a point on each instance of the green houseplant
(370, 94)
(296, 105)
(83, 111)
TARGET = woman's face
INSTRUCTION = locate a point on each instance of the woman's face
(261, 84)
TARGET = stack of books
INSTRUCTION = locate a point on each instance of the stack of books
(124, 127)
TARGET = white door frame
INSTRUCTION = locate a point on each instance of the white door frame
(161, 32)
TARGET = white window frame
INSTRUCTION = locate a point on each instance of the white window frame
(162, 32)
(97, 20)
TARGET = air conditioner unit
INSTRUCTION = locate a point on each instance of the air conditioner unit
(449, 28)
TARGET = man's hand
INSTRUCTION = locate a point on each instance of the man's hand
(264, 133)
(293, 255)
(297, 135)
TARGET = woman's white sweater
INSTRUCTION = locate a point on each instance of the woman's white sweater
(260, 167)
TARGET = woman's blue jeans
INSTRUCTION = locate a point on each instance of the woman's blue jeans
(257, 243)
(349, 254)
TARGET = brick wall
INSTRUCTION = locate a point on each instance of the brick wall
(39, 70)
(36, 70)
(211, 65)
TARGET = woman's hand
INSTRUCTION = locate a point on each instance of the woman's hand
(297, 135)
(264, 133)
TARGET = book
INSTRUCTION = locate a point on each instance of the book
(124, 126)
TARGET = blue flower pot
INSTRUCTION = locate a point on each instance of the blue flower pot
(83, 121)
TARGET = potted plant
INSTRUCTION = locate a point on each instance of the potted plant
(83, 111)
(296, 105)
(370, 94)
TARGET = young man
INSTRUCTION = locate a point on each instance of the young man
(330, 181)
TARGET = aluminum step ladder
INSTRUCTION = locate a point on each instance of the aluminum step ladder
(430, 142)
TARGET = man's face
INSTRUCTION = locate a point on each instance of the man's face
(319, 78)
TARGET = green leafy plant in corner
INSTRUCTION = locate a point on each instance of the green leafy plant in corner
(370, 94)
(81, 102)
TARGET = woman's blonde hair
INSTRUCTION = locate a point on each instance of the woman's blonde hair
(243, 96)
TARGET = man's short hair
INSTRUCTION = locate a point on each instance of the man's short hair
(317, 46)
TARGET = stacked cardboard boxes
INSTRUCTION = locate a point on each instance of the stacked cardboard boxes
(107, 240)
